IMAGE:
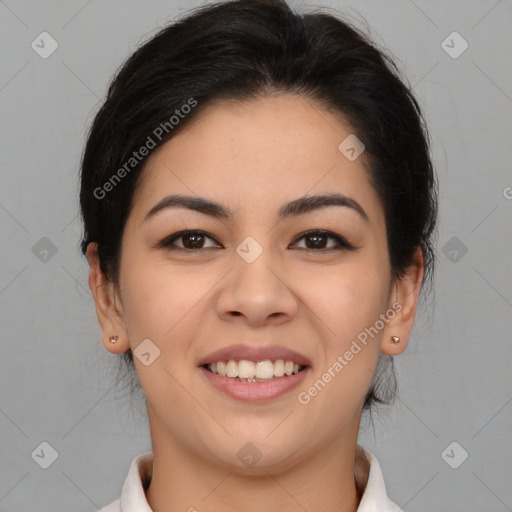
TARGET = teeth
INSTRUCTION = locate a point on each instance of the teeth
(249, 371)
(246, 369)
(264, 370)
(279, 368)
(221, 368)
(231, 369)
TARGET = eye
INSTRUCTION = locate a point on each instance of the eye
(191, 240)
(194, 240)
(316, 241)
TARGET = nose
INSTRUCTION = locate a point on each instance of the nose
(257, 293)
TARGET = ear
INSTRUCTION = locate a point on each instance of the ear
(403, 301)
(108, 309)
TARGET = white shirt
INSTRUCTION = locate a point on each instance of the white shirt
(133, 497)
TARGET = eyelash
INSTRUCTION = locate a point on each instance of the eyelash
(167, 243)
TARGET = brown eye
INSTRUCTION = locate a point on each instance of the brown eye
(190, 240)
(318, 240)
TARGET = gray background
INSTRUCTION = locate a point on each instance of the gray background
(56, 380)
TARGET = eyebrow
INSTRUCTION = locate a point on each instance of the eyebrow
(299, 206)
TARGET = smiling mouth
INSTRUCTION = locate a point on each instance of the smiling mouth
(255, 371)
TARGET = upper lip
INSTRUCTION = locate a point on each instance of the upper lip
(254, 353)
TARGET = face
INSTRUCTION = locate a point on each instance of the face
(311, 281)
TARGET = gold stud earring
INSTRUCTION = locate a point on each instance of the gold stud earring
(113, 339)
(395, 339)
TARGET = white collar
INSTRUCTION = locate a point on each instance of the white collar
(133, 497)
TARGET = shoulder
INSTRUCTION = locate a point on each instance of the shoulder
(374, 496)
(115, 506)
(133, 498)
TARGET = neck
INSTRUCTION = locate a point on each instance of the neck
(324, 481)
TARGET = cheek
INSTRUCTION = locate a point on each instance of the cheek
(161, 303)
(346, 306)
(158, 297)
(346, 298)
(347, 301)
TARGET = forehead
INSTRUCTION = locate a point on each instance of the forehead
(257, 153)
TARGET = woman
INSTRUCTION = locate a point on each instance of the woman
(259, 205)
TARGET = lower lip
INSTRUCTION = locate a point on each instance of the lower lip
(254, 391)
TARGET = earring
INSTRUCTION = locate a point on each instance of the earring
(395, 339)
(113, 339)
